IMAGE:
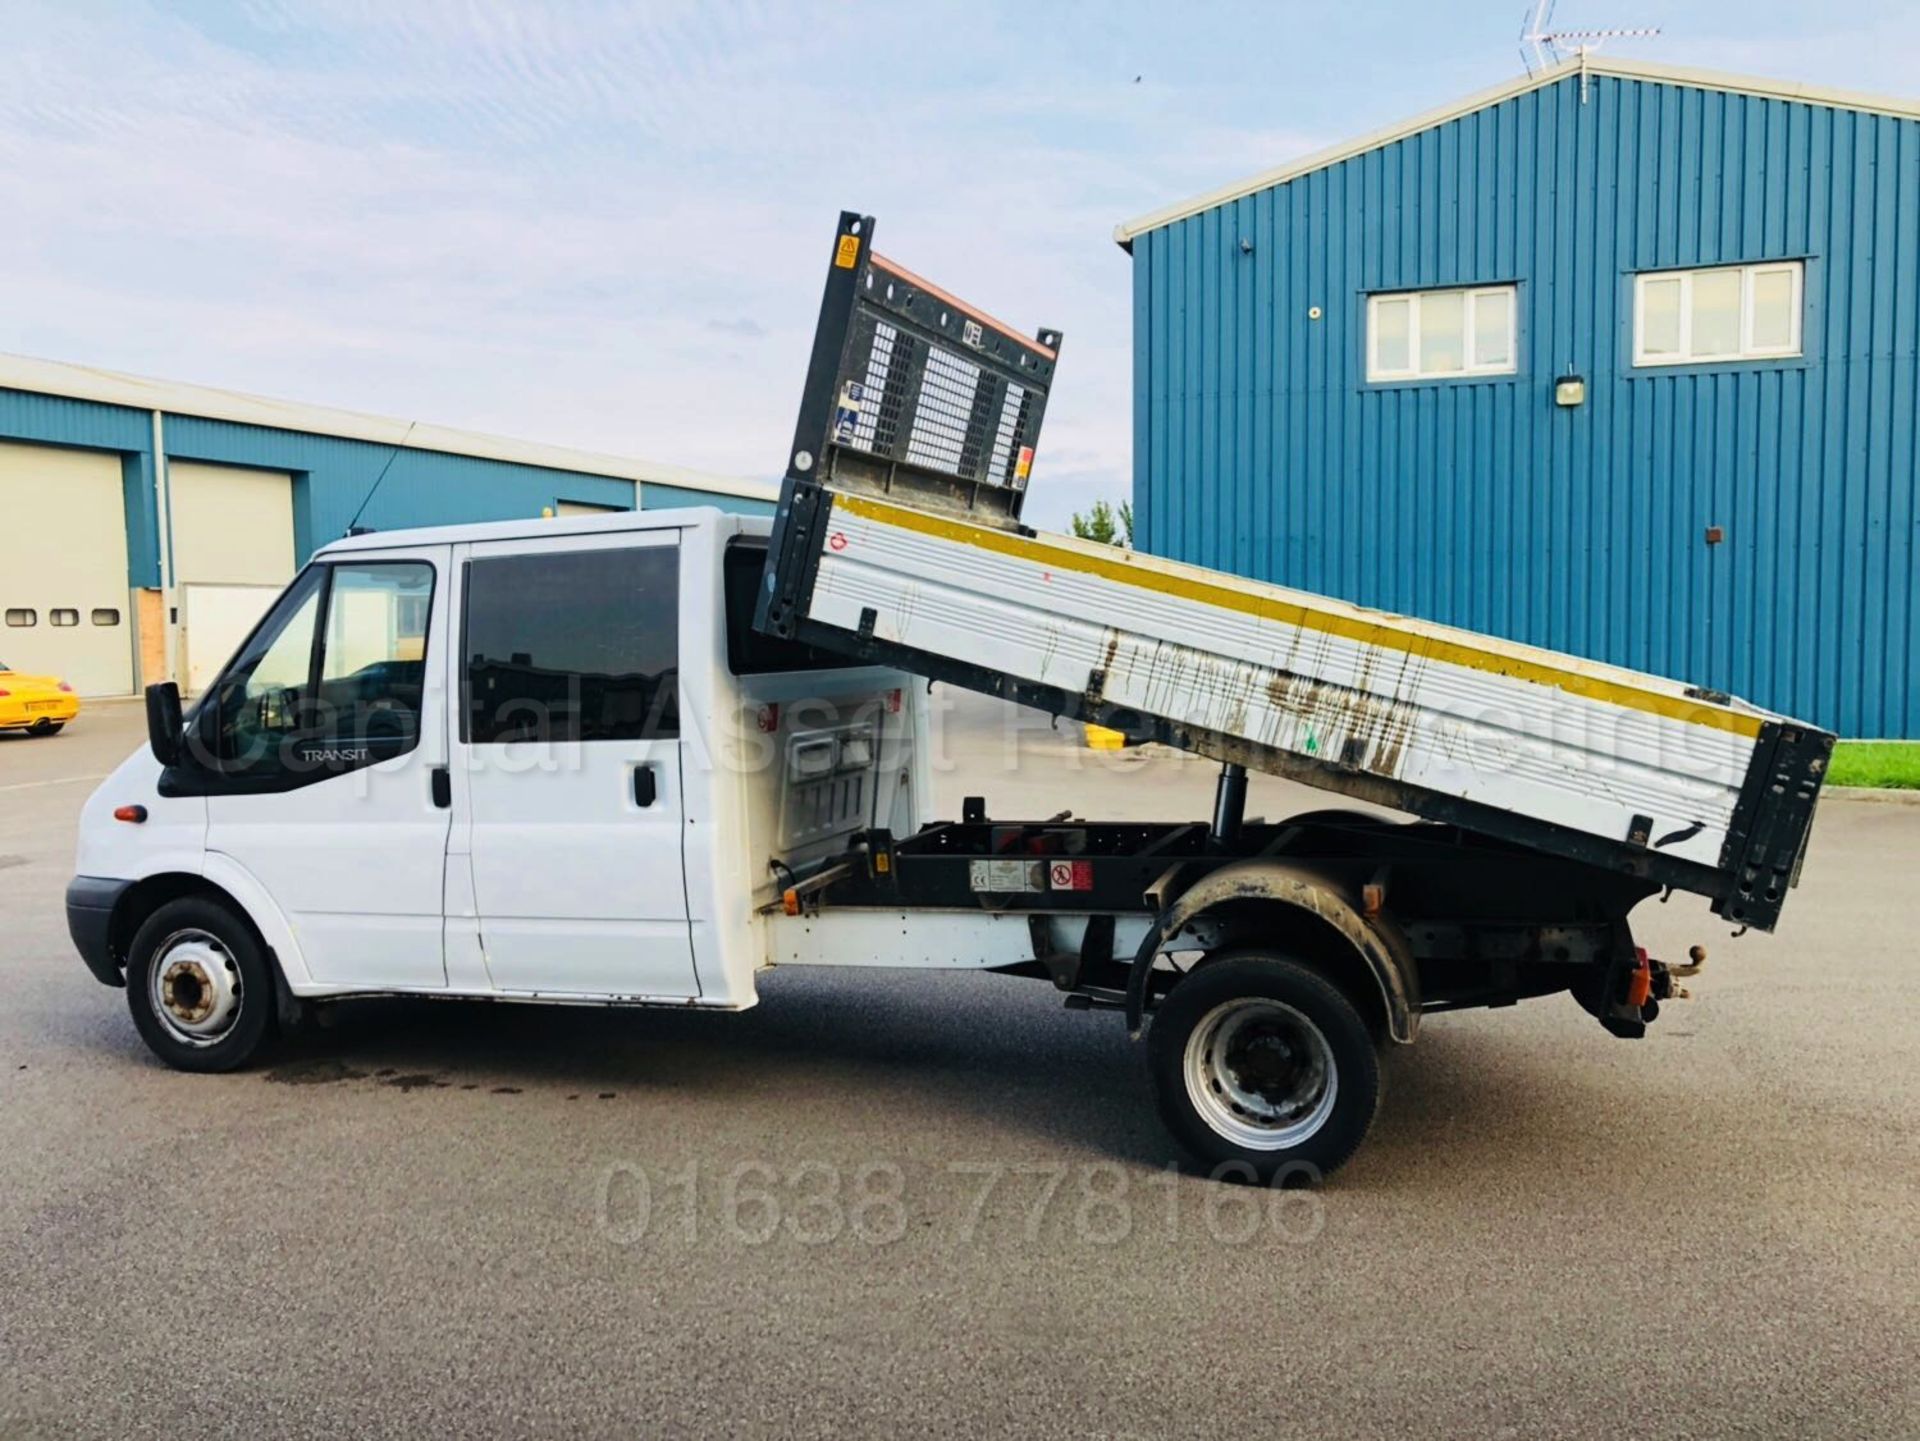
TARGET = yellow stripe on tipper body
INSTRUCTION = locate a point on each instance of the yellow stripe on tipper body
(1419, 639)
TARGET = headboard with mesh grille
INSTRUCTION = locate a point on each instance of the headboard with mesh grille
(916, 394)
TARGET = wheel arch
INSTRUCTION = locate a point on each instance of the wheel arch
(149, 893)
(1307, 914)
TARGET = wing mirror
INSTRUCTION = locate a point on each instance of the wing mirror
(165, 731)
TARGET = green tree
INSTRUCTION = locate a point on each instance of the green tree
(1107, 524)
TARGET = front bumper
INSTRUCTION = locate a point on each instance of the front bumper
(90, 904)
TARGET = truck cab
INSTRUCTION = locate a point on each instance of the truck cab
(540, 760)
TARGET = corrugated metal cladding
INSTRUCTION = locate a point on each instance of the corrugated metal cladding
(664, 497)
(332, 475)
(1259, 447)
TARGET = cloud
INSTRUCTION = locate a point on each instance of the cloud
(606, 224)
(536, 223)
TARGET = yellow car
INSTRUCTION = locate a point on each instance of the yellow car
(37, 704)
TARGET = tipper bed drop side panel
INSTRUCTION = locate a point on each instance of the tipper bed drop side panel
(898, 541)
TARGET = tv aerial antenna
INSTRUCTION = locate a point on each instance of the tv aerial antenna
(1541, 45)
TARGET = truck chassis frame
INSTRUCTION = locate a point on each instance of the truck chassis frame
(1443, 918)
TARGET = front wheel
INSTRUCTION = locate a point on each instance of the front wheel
(198, 986)
(1261, 1061)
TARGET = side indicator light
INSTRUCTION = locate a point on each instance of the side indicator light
(790, 901)
(132, 814)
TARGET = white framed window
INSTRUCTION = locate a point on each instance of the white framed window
(1730, 312)
(1437, 334)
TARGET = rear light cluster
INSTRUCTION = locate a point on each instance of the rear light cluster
(65, 687)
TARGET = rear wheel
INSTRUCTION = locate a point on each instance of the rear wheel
(46, 728)
(198, 986)
(1260, 1060)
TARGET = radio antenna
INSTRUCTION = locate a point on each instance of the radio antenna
(352, 525)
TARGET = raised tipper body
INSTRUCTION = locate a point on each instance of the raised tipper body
(900, 551)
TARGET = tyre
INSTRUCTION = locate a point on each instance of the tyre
(46, 728)
(199, 986)
(1261, 1062)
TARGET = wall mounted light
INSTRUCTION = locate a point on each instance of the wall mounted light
(1570, 390)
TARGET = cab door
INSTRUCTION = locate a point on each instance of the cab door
(316, 749)
(568, 802)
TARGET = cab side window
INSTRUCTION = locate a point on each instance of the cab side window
(373, 666)
(579, 645)
(332, 679)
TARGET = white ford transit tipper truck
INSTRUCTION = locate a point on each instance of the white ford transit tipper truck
(638, 759)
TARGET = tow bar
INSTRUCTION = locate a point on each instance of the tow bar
(1628, 1001)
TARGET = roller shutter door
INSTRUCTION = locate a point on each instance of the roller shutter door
(232, 553)
(63, 567)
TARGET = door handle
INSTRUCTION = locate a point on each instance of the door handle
(645, 789)
(442, 784)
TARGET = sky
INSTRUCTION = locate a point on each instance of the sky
(606, 225)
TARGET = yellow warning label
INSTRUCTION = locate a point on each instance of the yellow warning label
(848, 255)
(1025, 466)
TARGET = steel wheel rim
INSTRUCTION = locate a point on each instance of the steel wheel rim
(194, 988)
(1261, 1074)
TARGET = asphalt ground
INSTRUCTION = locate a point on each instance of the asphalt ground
(895, 1203)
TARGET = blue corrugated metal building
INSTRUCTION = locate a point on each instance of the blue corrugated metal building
(1618, 359)
(146, 522)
